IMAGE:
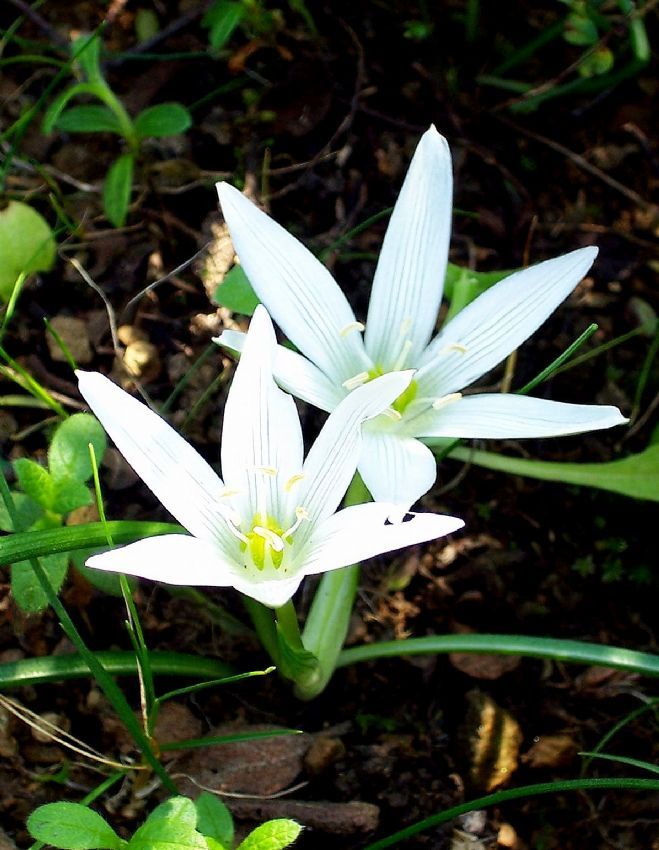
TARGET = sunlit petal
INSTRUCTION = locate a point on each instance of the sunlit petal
(294, 373)
(395, 467)
(504, 416)
(498, 322)
(177, 474)
(261, 436)
(409, 279)
(363, 531)
(297, 289)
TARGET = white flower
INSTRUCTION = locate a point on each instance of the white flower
(271, 521)
(305, 301)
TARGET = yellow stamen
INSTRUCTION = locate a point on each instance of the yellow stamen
(266, 470)
(270, 537)
(350, 327)
(457, 346)
(392, 414)
(356, 381)
(445, 400)
(292, 481)
(302, 515)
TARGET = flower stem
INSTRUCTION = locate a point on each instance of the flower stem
(329, 617)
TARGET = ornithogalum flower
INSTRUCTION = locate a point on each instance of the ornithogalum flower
(335, 359)
(271, 520)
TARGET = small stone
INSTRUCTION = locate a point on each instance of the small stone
(507, 837)
(141, 360)
(45, 735)
(74, 335)
(127, 334)
(322, 752)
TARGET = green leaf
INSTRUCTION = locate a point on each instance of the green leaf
(70, 493)
(222, 19)
(25, 588)
(117, 189)
(87, 50)
(68, 455)
(212, 844)
(164, 119)
(272, 835)
(26, 245)
(72, 826)
(214, 819)
(57, 106)
(89, 118)
(171, 826)
(36, 481)
(236, 293)
(580, 30)
(636, 475)
(27, 510)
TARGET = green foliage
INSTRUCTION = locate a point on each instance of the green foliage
(71, 826)
(164, 119)
(26, 245)
(47, 496)
(68, 454)
(177, 823)
(214, 819)
(636, 475)
(236, 293)
(117, 189)
(222, 19)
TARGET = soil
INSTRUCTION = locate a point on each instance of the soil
(319, 123)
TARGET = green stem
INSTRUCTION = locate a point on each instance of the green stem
(514, 794)
(59, 668)
(105, 681)
(556, 649)
(264, 625)
(329, 617)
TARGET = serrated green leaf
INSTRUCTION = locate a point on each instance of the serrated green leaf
(26, 245)
(636, 475)
(72, 826)
(27, 510)
(171, 826)
(236, 293)
(117, 189)
(70, 493)
(25, 588)
(272, 835)
(36, 481)
(164, 119)
(68, 455)
(89, 118)
(222, 18)
(214, 819)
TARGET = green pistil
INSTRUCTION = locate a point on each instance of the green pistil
(259, 547)
(405, 397)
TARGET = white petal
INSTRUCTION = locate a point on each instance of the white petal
(504, 416)
(498, 321)
(171, 559)
(409, 279)
(294, 373)
(362, 531)
(395, 468)
(273, 593)
(332, 460)
(169, 466)
(297, 289)
(261, 435)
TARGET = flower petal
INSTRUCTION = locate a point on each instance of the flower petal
(294, 373)
(395, 468)
(504, 416)
(261, 435)
(497, 322)
(273, 593)
(332, 460)
(409, 279)
(169, 466)
(297, 289)
(363, 531)
(171, 559)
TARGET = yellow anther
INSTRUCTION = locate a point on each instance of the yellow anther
(457, 346)
(228, 492)
(292, 481)
(356, 381)
(402, 357)
(392, 414)
(302, 515)
(270, 537)
(350, 327)
(445, 400)
(266, 470)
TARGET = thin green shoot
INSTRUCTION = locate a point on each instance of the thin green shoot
(11, 303)
(19, 375)
(215, 740)
(629, 718)
(182, 383)
(214, 385)
(600, 349)
(630, 762)
(644, 375)
(225, 680)
(555, 366)
(22, 401)
(63, 347)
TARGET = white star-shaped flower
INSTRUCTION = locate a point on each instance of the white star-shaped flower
(272, 520)
(335, 359)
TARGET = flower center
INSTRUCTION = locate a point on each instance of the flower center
(265, 545)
